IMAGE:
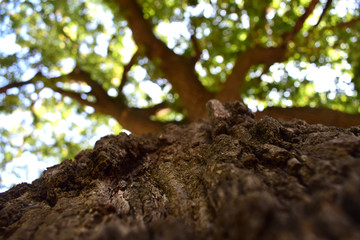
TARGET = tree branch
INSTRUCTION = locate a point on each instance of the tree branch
(78, 75)
(326, 8)
(76, 96)
(127, 68)
(299, 23)
(136, 120)
(142, 29)
(264, 71)
(154, 109)
(15, 85)
(345, 24)
(96, 89)
(259, 55)
(196, 48)
(195, 43)
(312, 115)
(177, 69)
(251, 56)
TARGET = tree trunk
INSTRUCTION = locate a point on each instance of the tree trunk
(230, 177)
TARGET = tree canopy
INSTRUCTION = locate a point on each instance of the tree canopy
(82, 64)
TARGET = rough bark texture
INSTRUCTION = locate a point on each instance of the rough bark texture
(230, 177)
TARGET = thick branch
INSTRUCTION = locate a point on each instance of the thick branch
(312, 115)
(136, 120)
(178, 70)
(244, 61)
(141, 28)
(154, 109)
(300, 22)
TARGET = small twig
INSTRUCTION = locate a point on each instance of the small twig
(326, 8)
(299, 23)
(76, 96)
(127, 68)
(15, 84)
(197, 48)
(20, 84)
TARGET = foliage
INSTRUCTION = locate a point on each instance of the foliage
(55, 40)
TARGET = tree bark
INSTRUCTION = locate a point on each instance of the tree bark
(229, 177)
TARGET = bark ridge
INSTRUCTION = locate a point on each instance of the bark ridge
(229, 177)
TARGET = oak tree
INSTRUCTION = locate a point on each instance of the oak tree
(145, 63)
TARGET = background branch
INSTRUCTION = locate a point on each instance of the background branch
(326, 8)
(127, 68)
(244, 61)
(177, 69)
(299, 23)
(96, 89)
(345, 24)
(15, 85)
(197, 48)
(76, 96)
(312, 116)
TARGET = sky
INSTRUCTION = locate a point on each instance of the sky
(27, 167)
